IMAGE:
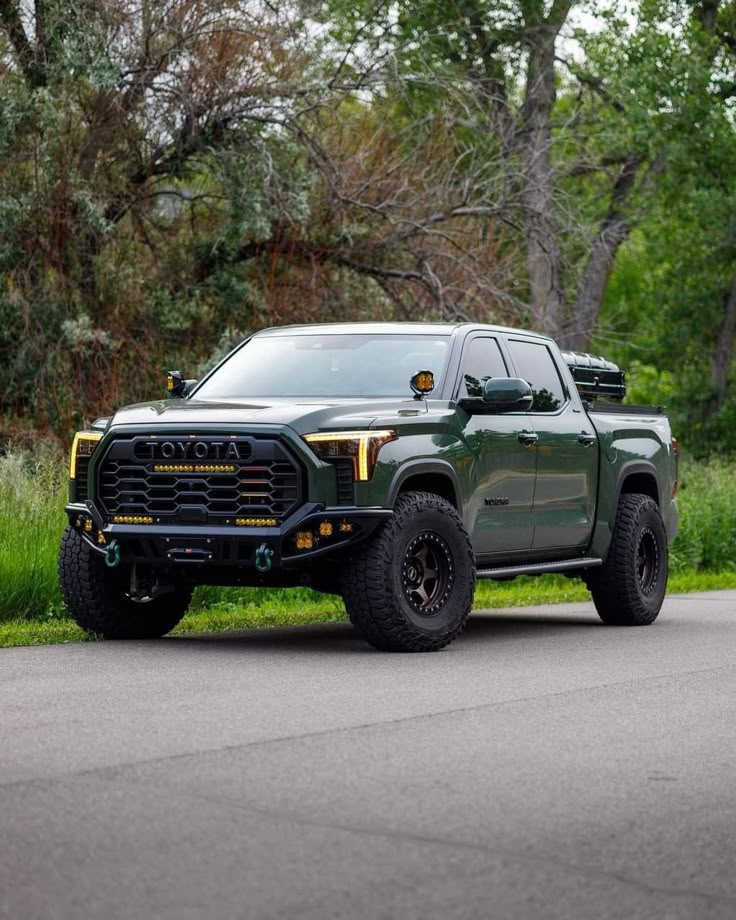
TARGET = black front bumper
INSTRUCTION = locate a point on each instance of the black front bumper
(227, 547)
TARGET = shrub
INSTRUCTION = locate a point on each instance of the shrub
(707, 502)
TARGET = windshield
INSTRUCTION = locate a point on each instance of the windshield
(333, 366)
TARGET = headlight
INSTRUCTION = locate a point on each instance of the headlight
(361, 447)
(84, 445)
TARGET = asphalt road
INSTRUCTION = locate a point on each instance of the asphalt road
(543, 766)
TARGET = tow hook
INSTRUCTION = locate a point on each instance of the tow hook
(263, 558)
(112, 555)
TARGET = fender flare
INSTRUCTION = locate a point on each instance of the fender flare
(630, 468)
(417, 468)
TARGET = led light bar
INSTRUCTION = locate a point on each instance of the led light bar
(193, 468)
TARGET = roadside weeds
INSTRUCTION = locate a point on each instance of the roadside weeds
(249, 609)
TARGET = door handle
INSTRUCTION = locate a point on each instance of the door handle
(528, 438)
(586, 438)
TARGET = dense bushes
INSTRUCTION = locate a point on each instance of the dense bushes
(33, 492)
(707, 503)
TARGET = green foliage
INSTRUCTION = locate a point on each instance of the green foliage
(32, 497)
(648, 386)
(707, 503)
(170, 175)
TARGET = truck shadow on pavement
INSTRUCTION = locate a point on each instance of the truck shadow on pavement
(337, 638)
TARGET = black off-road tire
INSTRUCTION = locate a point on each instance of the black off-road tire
(384, 585)
(628, 590)
(96, 598)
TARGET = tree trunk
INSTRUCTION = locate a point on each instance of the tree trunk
(614, 230)
(543, 253)
(721, 359)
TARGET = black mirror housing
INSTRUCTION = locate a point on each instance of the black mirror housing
(508, 394)
(501, 394)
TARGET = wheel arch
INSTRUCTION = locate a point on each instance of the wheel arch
(638, 477)
(435, 476)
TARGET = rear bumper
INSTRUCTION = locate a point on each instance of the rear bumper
(202, 546)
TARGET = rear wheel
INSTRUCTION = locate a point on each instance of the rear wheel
(100, 599)
(628, 590)
(410, 588)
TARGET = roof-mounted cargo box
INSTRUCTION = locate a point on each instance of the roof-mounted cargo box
(595, 377)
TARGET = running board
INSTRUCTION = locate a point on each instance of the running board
(539, 568)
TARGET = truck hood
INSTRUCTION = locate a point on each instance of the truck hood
(303, 416)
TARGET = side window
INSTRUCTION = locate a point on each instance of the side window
(481, 361)
(535, 365)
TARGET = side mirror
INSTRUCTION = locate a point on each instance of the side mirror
(507, 394)
(500, 394)
(176, 386)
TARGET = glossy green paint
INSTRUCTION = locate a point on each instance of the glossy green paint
(521, 499)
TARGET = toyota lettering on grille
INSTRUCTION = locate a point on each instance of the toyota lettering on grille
(195, 450)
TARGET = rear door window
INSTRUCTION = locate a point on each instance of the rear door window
(535, 364)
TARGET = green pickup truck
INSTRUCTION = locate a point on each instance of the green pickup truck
(393, 464)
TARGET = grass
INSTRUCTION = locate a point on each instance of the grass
(32, 497)
(300, 607)
(33, 492)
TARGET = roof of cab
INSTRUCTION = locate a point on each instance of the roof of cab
(389, 328)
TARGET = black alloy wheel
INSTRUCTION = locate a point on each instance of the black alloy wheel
(427, 573)
(647, 560)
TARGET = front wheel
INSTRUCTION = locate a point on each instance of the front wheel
(410, 588)
(628, 590)
(100, 599)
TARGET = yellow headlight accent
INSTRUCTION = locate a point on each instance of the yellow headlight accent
(359, 446)
(346, 527)
(83, 445)
(256, 522)
(325, 529)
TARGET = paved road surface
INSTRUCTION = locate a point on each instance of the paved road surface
(543, 766)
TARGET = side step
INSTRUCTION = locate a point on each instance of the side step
(539, 568)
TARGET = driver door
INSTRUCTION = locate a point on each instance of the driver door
(504, 452)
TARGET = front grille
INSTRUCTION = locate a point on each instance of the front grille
(199, 480)
(81, 491)
(345, 492)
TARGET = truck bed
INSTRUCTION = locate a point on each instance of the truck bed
(621, 409)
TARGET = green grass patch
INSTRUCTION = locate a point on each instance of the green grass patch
(32, 498)
(268, 608)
